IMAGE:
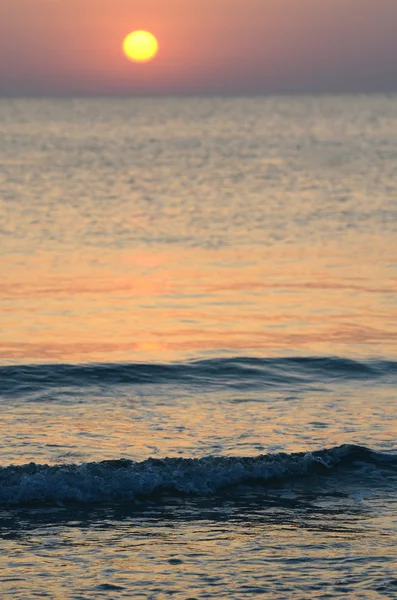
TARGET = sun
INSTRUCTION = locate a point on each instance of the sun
(140, 46)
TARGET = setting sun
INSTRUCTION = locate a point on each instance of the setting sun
(140, 46)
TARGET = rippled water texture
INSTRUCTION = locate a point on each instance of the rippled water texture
(198, 359)
(232, 407)
(165, 229)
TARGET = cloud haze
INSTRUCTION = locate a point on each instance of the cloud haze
(62, 47)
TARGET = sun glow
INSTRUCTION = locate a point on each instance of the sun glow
(140, 46)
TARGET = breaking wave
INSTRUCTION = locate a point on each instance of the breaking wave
(125, 480)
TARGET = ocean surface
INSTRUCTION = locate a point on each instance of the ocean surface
(198, 348)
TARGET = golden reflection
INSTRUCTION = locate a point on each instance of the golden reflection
(115, 430)
(161, 305)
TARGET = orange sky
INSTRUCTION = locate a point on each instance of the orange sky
(206, 46)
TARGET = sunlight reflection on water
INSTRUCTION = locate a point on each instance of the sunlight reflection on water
(162, 230)
(176, 229)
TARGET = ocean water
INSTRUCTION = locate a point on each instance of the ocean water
(198, 357)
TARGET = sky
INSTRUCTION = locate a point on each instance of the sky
(74, 47)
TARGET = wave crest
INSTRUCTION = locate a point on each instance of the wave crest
(123, 480)
(234, 372)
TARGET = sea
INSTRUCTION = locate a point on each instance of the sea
(198, 348)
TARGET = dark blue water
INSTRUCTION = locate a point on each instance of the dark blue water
(219, 384)
(124, 480)
(241, 372)
(230, 477)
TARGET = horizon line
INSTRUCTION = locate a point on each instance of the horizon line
(181, 95)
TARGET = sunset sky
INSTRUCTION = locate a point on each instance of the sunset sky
(66, 47)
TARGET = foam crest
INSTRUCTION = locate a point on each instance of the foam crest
(124, 480)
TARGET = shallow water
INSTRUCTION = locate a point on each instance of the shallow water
(234, 407)
(198, 359)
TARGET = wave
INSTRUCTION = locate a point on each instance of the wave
(234, 372)
(125, 480)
